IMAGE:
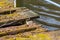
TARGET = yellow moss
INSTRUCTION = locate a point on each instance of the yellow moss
(31, 37)
(43, 36)
(9, 16)
(5, 3)
(40, 37)
(10, 39)
(2, 4)
(19, 38)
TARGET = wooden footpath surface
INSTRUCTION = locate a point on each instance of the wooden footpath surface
(21, 14)
(21, 29)
(25, 32)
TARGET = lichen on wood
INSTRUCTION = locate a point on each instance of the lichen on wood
(6, 3)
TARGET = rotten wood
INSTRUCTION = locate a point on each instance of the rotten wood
(18, 15)
(20, 29)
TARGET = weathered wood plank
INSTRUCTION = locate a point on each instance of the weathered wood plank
(53, 35)
(21, 29)
(18, 15)
(7, 10)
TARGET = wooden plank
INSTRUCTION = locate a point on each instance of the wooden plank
(53, 35)
(7, 10)
(18, 15)
(21, 29)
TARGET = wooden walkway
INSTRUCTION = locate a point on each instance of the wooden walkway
(33, 27)
(25, 32)
(21, 14)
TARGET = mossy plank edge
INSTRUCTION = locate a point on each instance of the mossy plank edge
(53, 35)
(20, 20)
(7, 10)
(3, 10)
(19, 29)
(25, 15)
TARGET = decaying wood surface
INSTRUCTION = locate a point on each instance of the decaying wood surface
(20, 14)
(7, 10)
(25, 32)
(33, 27)
(54, 35)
